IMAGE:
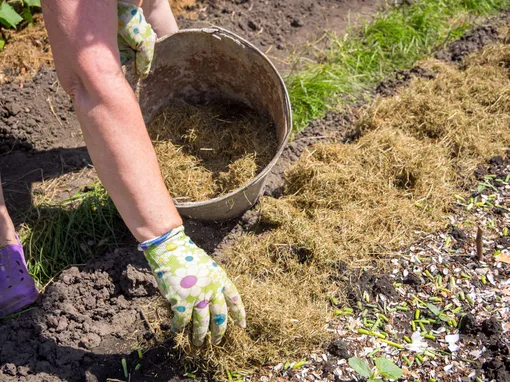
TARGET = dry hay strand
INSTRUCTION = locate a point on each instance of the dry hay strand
(288, 322)
(365, 199)
(210, 150)
(504, 33)
(358, 203)
(239, 172)
(25, 53)
(183, 174)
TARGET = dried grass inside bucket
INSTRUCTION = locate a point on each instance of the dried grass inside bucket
(208, 150)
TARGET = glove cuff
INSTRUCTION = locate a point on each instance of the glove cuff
(160, 239)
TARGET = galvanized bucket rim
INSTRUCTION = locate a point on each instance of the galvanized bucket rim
(288, 115)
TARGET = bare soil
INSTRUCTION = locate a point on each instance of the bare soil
(84, 324)
(281, 28)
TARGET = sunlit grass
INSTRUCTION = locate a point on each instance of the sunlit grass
(395, 39)
(56, 235)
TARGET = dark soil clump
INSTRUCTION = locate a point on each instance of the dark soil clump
(401, 78)
(497, 166)
(339, 349)
(496, 360)
(469, 43)
(461, 238)
(83, 325)
(413, 279)
(371, 285)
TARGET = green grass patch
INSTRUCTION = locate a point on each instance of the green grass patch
(395, 39)
(56, 235)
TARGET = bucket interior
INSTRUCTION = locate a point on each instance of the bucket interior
(201, 66)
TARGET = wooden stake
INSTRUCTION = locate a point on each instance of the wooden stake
(479, 244)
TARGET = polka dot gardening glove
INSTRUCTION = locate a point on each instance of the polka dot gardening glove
(135, 37)
(194, 284)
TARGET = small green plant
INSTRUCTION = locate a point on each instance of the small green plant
(125, 367)
(10, 17)
(384, 368)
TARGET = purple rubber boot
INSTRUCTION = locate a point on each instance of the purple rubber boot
(17, 287)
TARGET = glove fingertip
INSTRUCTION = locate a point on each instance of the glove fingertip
(241, 323)
(198, 342)
(217, 340)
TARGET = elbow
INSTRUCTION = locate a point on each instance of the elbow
(93, 74)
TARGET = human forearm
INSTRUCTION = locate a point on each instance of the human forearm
(124, 158)
(83, 37)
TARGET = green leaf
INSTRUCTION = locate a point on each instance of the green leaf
(8, 16)
(2, 44)
(360, 366)
(33, 3)
(434, 309)
(27, 15)
(387, 368)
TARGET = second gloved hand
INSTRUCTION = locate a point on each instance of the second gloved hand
(136, 38)
(194, 284)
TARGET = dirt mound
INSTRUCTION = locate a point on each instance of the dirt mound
(84, 324)
(469, 43)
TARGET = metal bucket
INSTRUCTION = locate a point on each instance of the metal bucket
(200, 65)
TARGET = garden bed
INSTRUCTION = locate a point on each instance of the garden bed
(406, 188)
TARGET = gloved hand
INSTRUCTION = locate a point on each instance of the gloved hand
(194, 284)
(135, 37)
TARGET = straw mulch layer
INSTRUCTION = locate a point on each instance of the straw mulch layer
(209, 150)
(25, 53)
(355, 204)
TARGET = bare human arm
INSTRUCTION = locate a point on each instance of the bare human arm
(83, 37)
